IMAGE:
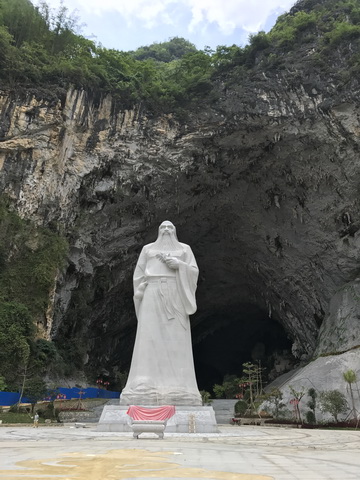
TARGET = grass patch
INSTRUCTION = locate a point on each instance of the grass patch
(11, 417)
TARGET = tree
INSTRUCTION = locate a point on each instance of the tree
(295, 402)
(228, 389)
(253, 377)
(35, 390)
(225, 56)
(25, 366)
(333, 402)
(6, 48)
(19, 16)
(275, 397)
(259, 41)
(16, 332)
(350, 378)
(166, 52)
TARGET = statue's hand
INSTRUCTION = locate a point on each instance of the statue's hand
(172, 262)
(161, 257)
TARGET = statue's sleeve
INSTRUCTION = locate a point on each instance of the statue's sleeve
(139, 279)
(186, 278)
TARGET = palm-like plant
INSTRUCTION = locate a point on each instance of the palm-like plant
(350, 378)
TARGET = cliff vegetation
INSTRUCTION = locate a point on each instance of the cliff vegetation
(30, 258)
(40, 46)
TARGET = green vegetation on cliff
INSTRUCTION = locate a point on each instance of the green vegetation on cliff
(40, 47)
(30, 257)
(313, 37)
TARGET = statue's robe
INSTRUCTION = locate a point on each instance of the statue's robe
(162, 368)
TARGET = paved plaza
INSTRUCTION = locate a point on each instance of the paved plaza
(236, 453)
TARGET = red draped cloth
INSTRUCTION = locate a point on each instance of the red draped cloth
(143, 413)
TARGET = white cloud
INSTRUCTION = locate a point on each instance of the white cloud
(227, 15)
(249, 15)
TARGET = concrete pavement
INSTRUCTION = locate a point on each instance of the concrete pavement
(236, 453)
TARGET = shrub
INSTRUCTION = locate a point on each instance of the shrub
(50, 412)
(259, 41)
(205, 397)
(310, 417)
(228, 389)
(274, 397)
(240, 407)
(342, 31)
(219, 391)
(333, 402)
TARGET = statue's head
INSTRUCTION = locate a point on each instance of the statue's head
(167, 228)
(167, 238)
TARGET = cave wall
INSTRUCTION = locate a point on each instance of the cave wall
(263, 184)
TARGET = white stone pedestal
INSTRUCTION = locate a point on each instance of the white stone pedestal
(186, 420)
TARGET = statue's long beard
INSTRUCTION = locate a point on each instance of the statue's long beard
(166, 243)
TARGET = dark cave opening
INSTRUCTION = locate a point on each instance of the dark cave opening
(224, 340)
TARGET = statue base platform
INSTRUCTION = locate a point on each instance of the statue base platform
(186, 420)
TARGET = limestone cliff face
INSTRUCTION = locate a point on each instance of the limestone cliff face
(340, 331)
(263, 184)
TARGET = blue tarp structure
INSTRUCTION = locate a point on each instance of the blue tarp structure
(90, 392)
(10, 398)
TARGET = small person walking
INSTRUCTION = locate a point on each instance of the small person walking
(36, 420)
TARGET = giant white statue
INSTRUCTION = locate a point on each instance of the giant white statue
(162, 368)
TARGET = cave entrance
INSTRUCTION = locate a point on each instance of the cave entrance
(224, 340)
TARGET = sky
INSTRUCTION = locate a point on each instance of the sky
(129, 24)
